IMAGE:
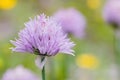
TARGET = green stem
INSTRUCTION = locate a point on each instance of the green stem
(116, 52)
(114, 45)
(43, 69)
(43, 73)
(115, 48)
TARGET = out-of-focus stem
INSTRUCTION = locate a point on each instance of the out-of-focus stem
(116, 53)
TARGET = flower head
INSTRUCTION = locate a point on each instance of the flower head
(19, 73)
(111, 12)
(44, 37)
(72, 21)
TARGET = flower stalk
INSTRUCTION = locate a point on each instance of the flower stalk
(43, 69)
(115, 27)
(115, 47)
(43, 73)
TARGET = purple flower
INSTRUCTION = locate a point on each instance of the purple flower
(19, 73)
(72, 21)
(44, 37)
(111, 12)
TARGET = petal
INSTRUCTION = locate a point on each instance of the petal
(38, 62)
(70, 53)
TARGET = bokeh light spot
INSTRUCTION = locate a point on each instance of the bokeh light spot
(93, 4)
(7, 4)
(87, 61)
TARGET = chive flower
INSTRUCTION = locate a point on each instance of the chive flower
(19, 73)
(44, 37)
(111, 12)
(72, 21)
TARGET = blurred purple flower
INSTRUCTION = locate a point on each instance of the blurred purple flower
(111, 12)
(44, 37)
(19, 73)
(72, 21)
